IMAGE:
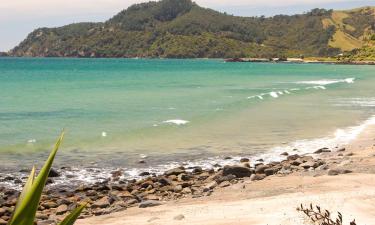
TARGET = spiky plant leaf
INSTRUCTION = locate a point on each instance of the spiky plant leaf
(72, 217)
(27, 206)
(26, 188)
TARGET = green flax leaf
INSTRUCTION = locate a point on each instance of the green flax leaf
(72, 217)
(29, 200)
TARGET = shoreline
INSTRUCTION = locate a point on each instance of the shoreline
(89, 175)
(347, 185)
(248, 60)
(148, 164)
(299, 61)
(180, 184)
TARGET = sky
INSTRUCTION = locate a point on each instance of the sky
(20, 17)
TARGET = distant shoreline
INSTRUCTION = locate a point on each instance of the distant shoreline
(298, 60)
(241, 60)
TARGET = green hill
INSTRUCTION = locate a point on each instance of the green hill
(364, 53)
(352, 27)
(182, 29)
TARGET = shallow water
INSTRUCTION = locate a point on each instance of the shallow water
(117, 111)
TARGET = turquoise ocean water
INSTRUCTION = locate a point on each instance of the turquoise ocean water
(117, 111)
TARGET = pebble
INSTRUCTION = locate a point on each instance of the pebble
(225, 184)
(61, 209)
(255, 177)
(144, 174)
(210, 186)
(2, 211)
(179, 217)
(334, 172)
(151, 190)
(175, 171)
(103, 202)
(153, 219)
(3, 222)
(322, 150)
(243, 160)
(149, 203)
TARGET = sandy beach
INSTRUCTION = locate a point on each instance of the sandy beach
(274, 200)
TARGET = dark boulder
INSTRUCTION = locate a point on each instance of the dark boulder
(144, 174)
(53, 173)
(175, 171)
(164, 181)
(238, 171)
(322, 150)
(261, 168)
(293, 157)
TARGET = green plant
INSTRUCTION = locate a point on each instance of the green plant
(28, 201)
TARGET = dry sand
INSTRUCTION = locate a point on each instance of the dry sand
(274, 200)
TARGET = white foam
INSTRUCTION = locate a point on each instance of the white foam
(339, 137)
(286, 92)
(176, 121)
(316, 87)
(327, 82)
(320, 87)
(31, 141)
(356, 102)
(274, 94)
(104, 134)
(256, 96)
(349, 80)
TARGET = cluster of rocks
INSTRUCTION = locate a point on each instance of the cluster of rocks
(115, 194)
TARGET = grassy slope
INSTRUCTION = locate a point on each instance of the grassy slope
(342, 38)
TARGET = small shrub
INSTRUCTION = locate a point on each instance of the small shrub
(322, 217)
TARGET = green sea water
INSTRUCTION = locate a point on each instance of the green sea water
(116, 111)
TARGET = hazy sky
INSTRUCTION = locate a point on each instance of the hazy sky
(20, 17)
